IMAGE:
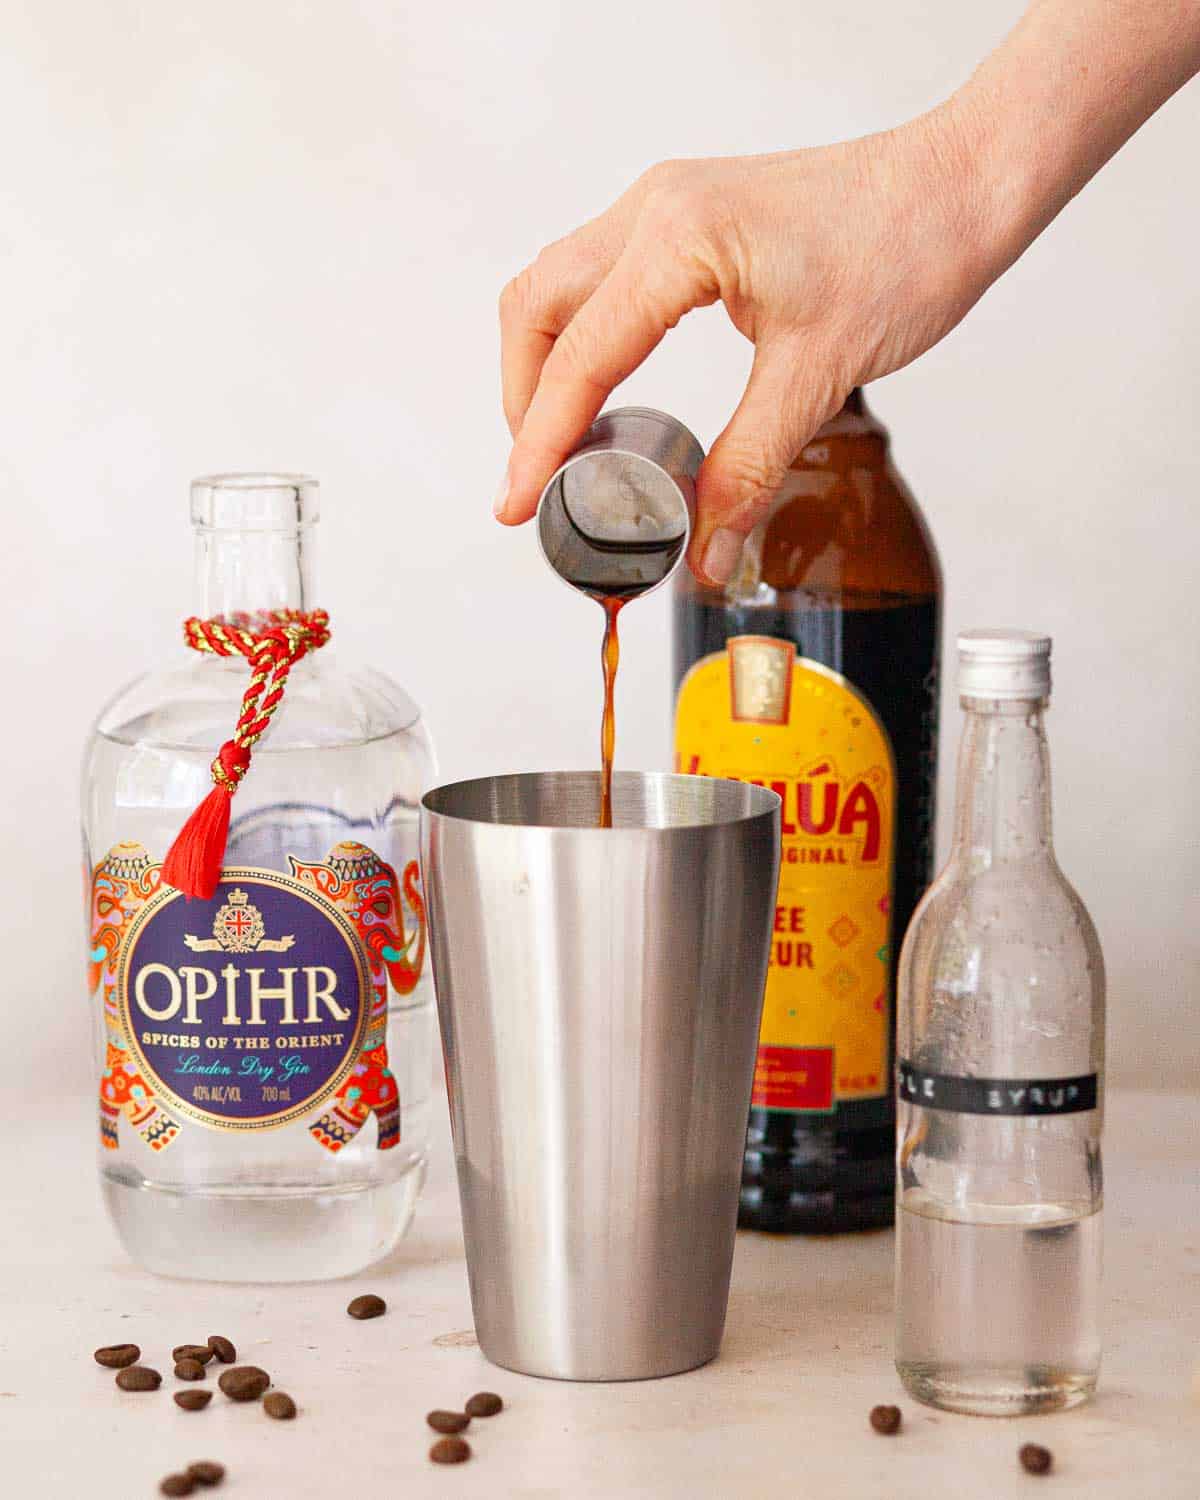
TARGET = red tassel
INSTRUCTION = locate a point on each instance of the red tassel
(194, 860)
(193, 863)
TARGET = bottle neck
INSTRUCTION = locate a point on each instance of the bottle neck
(863, 436)
(250, 573)
(254, 544)
(1003, 812)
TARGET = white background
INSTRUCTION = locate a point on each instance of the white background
(269, 235)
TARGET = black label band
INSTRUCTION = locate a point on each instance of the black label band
(997, 1096)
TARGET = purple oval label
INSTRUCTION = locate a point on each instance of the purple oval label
(246, 1010)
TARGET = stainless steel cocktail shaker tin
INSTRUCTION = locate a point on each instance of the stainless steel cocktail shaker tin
(599, 992)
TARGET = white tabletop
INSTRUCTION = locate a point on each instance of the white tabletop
(782, 1412)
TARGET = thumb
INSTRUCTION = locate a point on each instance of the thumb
(789, 395)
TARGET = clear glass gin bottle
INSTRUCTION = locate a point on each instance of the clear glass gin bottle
(1001, 1048)
(263, 1057)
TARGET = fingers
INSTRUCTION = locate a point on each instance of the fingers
(789, 395)
(647, 291)
(536, 306)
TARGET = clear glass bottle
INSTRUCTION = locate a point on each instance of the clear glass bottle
(247, 1104)
(1001, 1048)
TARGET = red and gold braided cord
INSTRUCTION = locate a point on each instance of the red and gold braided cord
(272, 643)
(271, 652)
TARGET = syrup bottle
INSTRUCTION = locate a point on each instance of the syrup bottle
(1001, 1078)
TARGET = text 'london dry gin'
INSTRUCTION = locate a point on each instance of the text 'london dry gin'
(261, 1005)
(1001, 1046)
(815, 672)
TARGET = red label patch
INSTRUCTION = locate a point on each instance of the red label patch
(793, 1078)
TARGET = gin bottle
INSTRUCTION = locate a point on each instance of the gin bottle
(263, 1048)
(1001, 1048)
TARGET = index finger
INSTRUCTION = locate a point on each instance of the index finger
(644, 295)
(535, 307)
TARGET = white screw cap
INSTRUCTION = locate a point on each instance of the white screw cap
(1008, 665)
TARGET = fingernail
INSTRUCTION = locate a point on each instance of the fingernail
(722, 554)
(501, 500)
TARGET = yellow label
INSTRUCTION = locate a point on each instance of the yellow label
(758, 712)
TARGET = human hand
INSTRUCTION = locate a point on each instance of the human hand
(840, 263)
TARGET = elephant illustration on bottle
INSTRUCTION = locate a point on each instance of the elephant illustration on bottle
(366, 889)
(122, 883)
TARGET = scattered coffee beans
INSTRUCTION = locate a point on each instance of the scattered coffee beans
(1035, 1459)
(367, 1307)
(450, 1450)
(189, 1369)
(279, 1404)
(484, 1404)
(177, 1484)
(244, 1382)
(117, 1356)
(223, 1349)
(448, 1421)
(193, 1400)
(201, 1353)
(886, 1419)
(205, 1471)
(139, 1378)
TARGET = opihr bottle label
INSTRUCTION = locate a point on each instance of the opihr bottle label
(247, 1009)
(264, 1005)
(757, 712)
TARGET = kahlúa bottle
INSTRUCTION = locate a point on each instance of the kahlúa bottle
(1001, 1043)
(815, 671)
(263, 1052)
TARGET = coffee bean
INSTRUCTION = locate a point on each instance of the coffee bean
(189, 1369)
(448, 1421)
(367, 1307)
(484, 1404)
(223, 1349)
(205, 1471)
(139, 1378)
(117, 1356)
(193, 1400)
(244, 1382)
(1035, 1459)
(886, 1419)
(201, 1353)
(450, 1450)
(279, 1404)
(177, 1484)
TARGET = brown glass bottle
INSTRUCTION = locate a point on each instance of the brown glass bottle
(816, 671)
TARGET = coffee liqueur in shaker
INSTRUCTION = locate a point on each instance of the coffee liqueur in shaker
(260, 1002)
(815, 672)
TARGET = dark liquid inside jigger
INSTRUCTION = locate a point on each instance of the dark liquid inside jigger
(614, 526)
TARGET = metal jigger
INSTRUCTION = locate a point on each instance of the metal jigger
(599, 992)
(615, 519)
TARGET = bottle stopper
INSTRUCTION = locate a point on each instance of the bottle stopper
(1003, 665)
